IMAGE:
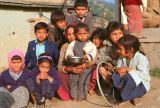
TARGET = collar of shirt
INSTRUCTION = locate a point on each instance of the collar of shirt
(36, 42)
(39, 48)
(81, 20)
(14, 75)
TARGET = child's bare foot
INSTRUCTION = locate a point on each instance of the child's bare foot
(92, 92)
(136, 101)
(122, 102)
(74, 100)
(80, 99)
(48, 102)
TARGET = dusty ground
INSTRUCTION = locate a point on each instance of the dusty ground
(150, 100)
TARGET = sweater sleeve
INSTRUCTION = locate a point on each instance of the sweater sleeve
(143, 69)
(52, 33)
(69, 51)
(93, 62)
(2, 80)
(62, 57)
(56, 81)
(90, 50)
(55, 55)
(28, 55)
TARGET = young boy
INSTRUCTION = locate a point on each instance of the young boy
(81, 47)
(57, 27)
(40, 45)
(81, 15)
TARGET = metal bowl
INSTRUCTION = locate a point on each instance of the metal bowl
(75, 60)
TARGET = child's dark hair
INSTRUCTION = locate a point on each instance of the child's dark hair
(112, 26)
(68, 27)
(81, 26)
(41, 25)
(57, 15)
(16, 57)
(83, 3)
(130, 41)
(99, 33)
(44, 57)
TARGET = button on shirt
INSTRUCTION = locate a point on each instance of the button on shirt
(39, 48)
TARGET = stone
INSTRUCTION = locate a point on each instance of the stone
(151, 17)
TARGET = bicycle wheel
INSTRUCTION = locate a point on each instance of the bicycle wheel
(106, 89)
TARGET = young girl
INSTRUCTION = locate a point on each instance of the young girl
(132, 78)
(81, 47)
(14, 79)
(98, 36)
(115, 31)
(44, 80)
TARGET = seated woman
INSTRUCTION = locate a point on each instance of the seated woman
(63, 69)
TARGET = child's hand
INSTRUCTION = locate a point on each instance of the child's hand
(85, 58)
(83, 66)
(77, 70)
(41, 76)
(122, 70)
(104, 73)
(8, 87)
(50, 79)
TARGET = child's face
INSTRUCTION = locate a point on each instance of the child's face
(98, 42)
(41, 35)
(122, 51)
(61, 24)
(82, 34)
(116, 35)
(17, 65)
(70, 35)
(44, 67)
(81, 11)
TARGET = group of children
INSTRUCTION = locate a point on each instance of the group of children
(50, 70)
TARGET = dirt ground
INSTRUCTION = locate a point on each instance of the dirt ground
(150, 100)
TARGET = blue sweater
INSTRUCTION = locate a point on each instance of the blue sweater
(52, 72)
(50, 48)
(6, 79)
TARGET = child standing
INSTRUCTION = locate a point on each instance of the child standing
(40, 45)
(44, 80)
(81, 15)
(14, 79)
(82, 47)
(132, 69)
(134, 16)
